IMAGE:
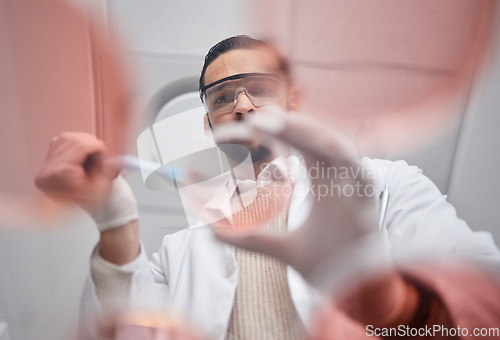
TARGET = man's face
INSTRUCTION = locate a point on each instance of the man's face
(243, 61)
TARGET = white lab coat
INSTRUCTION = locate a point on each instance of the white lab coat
(200, 273)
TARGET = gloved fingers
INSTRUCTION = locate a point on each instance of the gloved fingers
(74, 147)
(305, 134)
(75, 169)
(336, 218)
(322, 147)
(100, 163)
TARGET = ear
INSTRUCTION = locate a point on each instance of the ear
(293, 103)
(206, 126)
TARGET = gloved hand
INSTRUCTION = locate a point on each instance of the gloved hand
(339, 239)
(76, 170)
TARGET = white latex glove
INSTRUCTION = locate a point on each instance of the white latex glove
(119, 208)
(76, 170)
(339, 239)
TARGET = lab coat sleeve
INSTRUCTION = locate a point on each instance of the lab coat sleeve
(420, 220)
(110, 286)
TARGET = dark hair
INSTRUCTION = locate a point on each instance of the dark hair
(236, 43)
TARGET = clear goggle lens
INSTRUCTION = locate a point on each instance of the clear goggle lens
(260, 89)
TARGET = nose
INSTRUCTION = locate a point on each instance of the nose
(243, 105)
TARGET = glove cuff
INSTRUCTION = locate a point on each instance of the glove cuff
(119, 209)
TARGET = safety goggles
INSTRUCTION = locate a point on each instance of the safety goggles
(262, 89)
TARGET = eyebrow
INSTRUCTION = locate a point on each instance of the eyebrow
(220, 87)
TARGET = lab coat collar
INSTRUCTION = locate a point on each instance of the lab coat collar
(300, 203)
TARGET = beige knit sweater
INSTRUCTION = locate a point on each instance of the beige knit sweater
(263, 308)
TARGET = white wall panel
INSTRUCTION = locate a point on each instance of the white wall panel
(474, 186)
(173, 26)
(435, 160)
(157, 70)
(161, 77)
(42, 278)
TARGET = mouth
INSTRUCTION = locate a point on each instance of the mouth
(239, 150)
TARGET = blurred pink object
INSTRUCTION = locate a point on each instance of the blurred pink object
(60, 72)
(466, 293)
(392, 73)
(144, 325)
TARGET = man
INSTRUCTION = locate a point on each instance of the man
(229, 292)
